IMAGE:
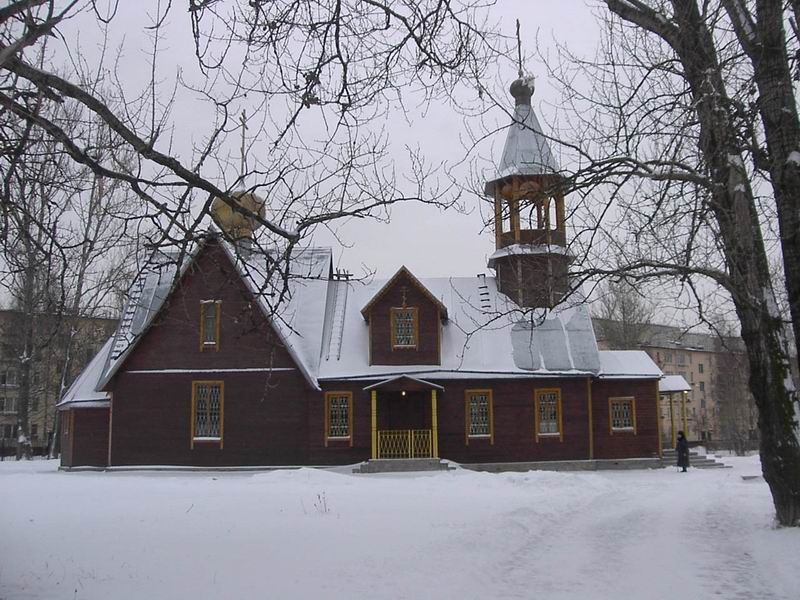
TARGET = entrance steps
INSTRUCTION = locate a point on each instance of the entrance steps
(696, 460)
(401, 465)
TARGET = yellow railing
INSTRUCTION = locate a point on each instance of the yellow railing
(405, 443)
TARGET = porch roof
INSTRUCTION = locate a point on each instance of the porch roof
(404, 382)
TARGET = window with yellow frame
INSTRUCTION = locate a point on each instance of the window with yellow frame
(622, 414)
(547, 413)
(210, 311)
(405, 327)
(208, 411)
(338, 416)
(479, 421)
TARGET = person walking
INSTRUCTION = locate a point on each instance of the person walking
(682, 448)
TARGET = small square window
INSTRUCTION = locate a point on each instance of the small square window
(622, 414)
(405, 327)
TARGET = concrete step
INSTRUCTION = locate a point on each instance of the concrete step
(401, 465)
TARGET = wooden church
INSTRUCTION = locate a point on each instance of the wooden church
(479, 370)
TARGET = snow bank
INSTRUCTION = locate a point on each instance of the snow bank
(310, 533)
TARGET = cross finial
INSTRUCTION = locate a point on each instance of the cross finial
(519, 51)
(243, 121)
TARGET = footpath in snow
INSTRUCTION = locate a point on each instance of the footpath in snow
(461, 535)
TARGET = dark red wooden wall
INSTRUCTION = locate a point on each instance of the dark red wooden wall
(429, 326)
(85, 442)
(264, 413)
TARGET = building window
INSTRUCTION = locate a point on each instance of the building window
(702, 386)
(479, 419)
(548, 413)
(208, 405)
(8, 405)
(7, 431)
(338, 416)
(622, 412)
(209, 324)
(405, 327)
(8, 377)
(667, 357)
(34, 431)
(700, 367)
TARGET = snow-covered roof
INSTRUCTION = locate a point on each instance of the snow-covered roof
(300, 334)
(526, 249)
(627, 364)
(486, 335)
(673, 383)
(403, 271)
(83, 391)
(526, 151)
(320, 322)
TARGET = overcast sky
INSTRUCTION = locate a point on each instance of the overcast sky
(429, 242)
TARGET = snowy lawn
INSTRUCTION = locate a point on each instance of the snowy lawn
(313, 534)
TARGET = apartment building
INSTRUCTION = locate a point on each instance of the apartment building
(48, 363)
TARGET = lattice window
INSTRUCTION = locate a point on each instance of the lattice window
(479, 407)
(404, 327)
(210, 324)
(338, 414)
(548, 412)
(208, 410)
(623, 413)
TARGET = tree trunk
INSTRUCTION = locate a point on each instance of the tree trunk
(765, 42)
(734, 209)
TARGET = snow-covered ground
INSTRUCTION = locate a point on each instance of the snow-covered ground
(321, 534)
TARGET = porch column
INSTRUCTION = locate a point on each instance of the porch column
(683, 413)
(672, 422)
(374, 396)
(434, 425)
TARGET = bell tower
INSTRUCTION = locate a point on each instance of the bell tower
(531, 256)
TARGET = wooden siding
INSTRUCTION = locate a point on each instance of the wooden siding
(265, 412)
(513, 420)
(246, 339)
(87, 441)
(264, 421)
(626, 444)
(428, 326)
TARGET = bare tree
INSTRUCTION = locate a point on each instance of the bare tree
(669, 165)
(626, 315)
(323, 70)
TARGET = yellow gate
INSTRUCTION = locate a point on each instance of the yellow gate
(405, 443)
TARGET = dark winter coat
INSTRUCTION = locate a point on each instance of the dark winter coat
(682, 447)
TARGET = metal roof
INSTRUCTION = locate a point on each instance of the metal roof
(527, 150)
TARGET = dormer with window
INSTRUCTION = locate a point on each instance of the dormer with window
(405, 323)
